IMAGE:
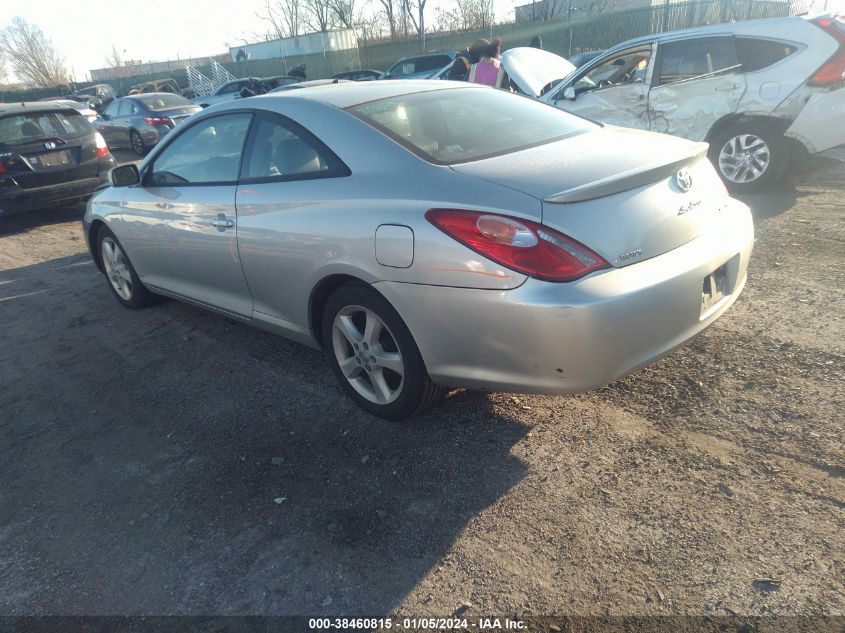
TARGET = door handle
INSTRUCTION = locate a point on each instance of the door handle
(223, 223)
(728, 88)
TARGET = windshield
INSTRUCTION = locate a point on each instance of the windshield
(22, 129)
(460, 125)
(163, 101)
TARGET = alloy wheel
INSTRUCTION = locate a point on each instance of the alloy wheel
(137, 142)
(117, 269)
(744, 158)
(368, 355)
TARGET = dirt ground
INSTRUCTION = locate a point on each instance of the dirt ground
(169, 461)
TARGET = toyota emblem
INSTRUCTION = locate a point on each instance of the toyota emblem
(683, 179)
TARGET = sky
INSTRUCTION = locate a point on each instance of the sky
(154, 30)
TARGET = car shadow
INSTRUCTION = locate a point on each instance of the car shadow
(22, 222)
(770, 203)
(173, 461)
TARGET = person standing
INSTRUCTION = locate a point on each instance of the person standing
(466, 58)
(488, 70)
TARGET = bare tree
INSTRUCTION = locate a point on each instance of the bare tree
(32, 55)
(467, 15)
(284, 18)
(114, 58)
(344, 12)
(415, 10)
(391, 7)
(4, 73)
(318, 15)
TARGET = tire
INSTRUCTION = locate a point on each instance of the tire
(137, 143)
(122, 279)
(383, 370)
(741, 151)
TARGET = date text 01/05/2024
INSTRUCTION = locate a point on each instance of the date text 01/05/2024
(481, 624)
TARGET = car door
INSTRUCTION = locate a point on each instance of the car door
(125, 122)
(289, 199)
(614, 90)
(106, 124)
(697, 81)
(180, 224)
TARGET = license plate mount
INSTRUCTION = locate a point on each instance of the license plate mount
(716, 286)
(54, 159)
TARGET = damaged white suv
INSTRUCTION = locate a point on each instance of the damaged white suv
(757, 91)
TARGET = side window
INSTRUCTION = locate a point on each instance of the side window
(111, 111)
(755, 54)
(693, 58)
(629, 67)
(127, 108)
(230, 87)
(207, 152)
(282, 149)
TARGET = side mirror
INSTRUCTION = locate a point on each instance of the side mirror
(569, 93)
(125, 175)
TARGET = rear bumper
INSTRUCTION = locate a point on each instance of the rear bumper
(16, 200)
(567, 338)
(819, 125)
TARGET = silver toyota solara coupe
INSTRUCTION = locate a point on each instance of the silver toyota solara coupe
(429, 235)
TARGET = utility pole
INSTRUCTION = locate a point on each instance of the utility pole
(569, 54)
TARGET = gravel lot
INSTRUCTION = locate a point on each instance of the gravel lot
(169, 461)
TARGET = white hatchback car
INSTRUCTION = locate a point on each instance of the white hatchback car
(757, 91)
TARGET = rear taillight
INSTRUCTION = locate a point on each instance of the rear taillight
(833, 70)
(157, 120)
(102, 148)
(521, 245)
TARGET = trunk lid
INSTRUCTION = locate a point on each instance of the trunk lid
(607, 190)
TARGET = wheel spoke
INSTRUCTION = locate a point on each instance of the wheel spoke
(350, 368)
(108, 251)
(388, 360)
(372, 330)
(346, 327)
(380, 388)
(123, 273)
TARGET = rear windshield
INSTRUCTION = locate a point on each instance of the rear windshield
(464, 124)
(164, 101)
(21, 129)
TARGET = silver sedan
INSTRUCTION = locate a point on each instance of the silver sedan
(429, 235)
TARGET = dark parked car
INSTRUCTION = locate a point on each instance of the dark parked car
(158, 85)
(141, 121)
(365, 74)
(422, 66)
(49, 155)
(100, 95)
(269, 83)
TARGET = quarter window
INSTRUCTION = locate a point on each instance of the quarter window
(207, 152)
(689, 59)
(281, 149)
(757, 54)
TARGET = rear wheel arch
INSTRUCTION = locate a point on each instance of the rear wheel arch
(776, 124)
(320, 296)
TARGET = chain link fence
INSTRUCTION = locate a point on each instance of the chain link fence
(563, 37)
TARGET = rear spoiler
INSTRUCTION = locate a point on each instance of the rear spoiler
(628, 180)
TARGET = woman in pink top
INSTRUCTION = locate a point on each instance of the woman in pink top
(488, 70)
